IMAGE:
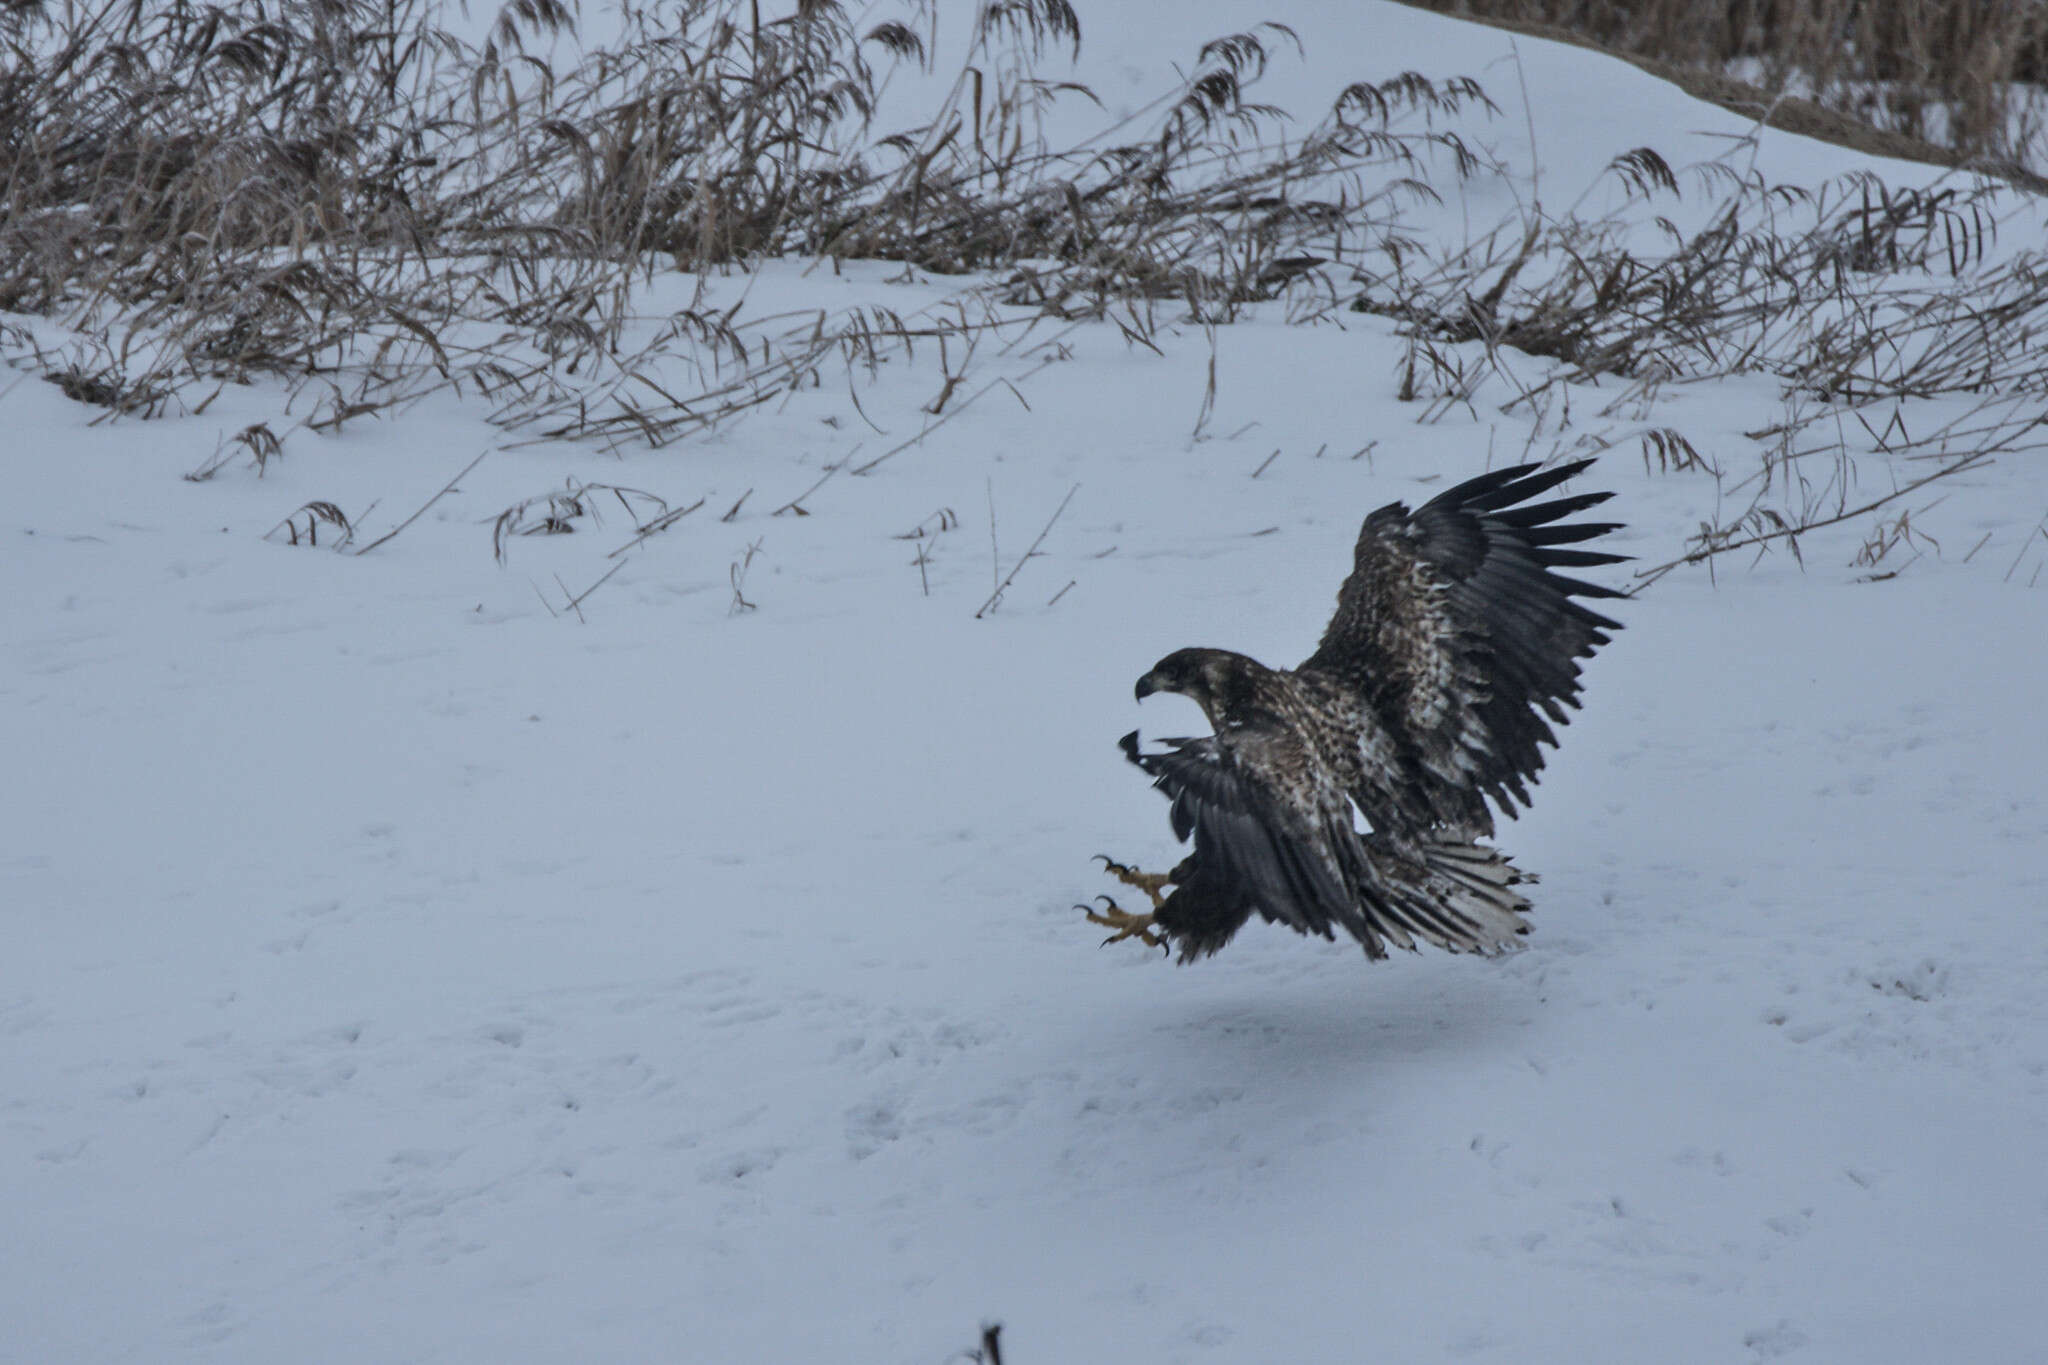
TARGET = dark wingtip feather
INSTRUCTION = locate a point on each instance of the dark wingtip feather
(1564, 535)
(1541, 513)
(1574, 587)
(1510, 624)
(1462, 494)
(1528, 481)
(1581, 558)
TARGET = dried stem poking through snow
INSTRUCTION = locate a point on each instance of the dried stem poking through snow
(996, 597)
(203, 196)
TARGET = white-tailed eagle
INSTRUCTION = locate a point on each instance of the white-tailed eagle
(1350, 793)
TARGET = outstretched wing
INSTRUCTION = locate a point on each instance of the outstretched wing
(1462, 642)
(1283, 837)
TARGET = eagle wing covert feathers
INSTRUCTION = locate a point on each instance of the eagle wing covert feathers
(1460, 640)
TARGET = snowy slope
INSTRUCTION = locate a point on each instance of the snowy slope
(400, 968)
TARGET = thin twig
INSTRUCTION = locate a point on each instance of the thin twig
(445, 490)
(963, 406)
(657, 526)
(1003, 586)
(1705, 553)
(572, 598)
(995, 559)
(795, 504)
(2025, 540)
(577, 601)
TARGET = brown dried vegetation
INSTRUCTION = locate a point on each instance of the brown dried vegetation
(341, 198)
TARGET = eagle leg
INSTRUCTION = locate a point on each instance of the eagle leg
(1147, 882)
(1126, 924)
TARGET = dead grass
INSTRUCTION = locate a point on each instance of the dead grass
(341, 199)
(339, 196)
(303, 526)
(1892, 327)
(558, 513)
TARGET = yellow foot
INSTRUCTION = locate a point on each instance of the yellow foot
(1126, 924)
(1147, 882)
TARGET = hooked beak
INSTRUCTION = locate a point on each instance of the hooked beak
(1147, 685)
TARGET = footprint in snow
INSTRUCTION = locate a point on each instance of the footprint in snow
(1779, 1339)
(735, 1168)
(873, 1125)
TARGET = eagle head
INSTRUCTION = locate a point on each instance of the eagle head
(1214, 679)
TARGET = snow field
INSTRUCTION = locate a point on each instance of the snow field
(400, 968)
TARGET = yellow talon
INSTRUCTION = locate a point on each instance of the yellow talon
(1147, 882)
(1126, 924)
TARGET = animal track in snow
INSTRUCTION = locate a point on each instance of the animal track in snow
(873, 1124)
(735, 1168)
(1779, 1339)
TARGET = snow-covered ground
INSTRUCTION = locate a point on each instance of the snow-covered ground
(397, 966)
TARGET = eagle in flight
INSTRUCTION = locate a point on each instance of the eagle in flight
(1350, 793)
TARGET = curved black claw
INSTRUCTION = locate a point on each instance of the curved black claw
(1126, 924)
(1151, 883)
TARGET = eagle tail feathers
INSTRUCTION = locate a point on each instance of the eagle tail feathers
(1465, 902)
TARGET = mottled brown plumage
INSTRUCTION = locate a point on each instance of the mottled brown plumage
(1348, 793)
